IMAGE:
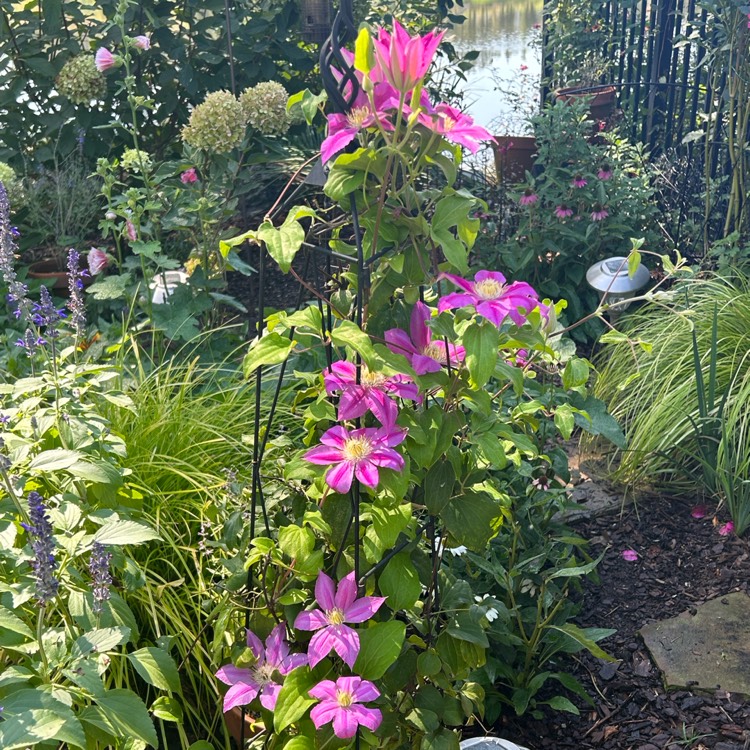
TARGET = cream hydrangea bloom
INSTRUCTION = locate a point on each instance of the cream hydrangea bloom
(217, 125)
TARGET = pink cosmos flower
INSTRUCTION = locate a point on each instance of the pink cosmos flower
(357, 453)
(579, 181)
(605, 172)
(424, 354)
(455, 126)
(726, 529)
(699, 511)
(528, 198)
(341, 703)
(372, 393)
(563, 212)
(338, 605)
(491, 297)
(142, 42)
(104, 59)
(189, 176)
(599, 213)
(130, 230)
(247, 683)
(404, 60)
(630, 555)
(97, 260)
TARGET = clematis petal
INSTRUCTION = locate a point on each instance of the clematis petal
(454, 300)
(484, 275)
(387, 458)
(346, 644)
(340, 477)
(325, 591)
(231, 675)
(321, 644)
(461, 283)
(367, 473)
(337, 140)
(277, 648)
(346, 592)
(363, 609)
(365, 691)
(398, 342)
(336, 437)
(240, 695)
(269, 695)
(323, 455)
(354, 402)
(324, 689)
(311, 620)
(494, 310)
(345, 723)
(418, 328)
(324, 712)
(292, 662)
(367, 717)
(255, 646)
(423, 364)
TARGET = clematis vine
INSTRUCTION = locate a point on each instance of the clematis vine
(424, 354)
(338, 606)
(248, 683)
(371, 393)
(404, 60)
(492, 297)
(359, 453)
(341, 705)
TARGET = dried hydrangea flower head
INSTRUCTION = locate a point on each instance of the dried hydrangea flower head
(80, 80)
(217, 125)
(264, 106)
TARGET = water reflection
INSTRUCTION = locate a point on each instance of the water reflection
(509, 59)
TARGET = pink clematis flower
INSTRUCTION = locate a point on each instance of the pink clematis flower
(97, 260)
(404, 60)
(373, 392)
(726, 529)
(455, 126)
(579, 181)
(528, 198)
(104, 60)
(629, 555)
(189, 176)
(563, 212)
(247, 683)
(358, 453)
(142, 42)
(338, 605)
(491, 297)
(599, 213)
(424, 354)
(341, 703)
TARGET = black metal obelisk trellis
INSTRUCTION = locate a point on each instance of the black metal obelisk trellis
(323, 266)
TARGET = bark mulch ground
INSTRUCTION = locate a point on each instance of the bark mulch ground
(682, 563)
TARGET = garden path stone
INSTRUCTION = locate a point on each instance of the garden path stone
(706, 648)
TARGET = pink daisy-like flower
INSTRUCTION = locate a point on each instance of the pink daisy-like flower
(455, 126)
(248, 683)
(97, 260)
(142, 42)
(563, 211)
(579, 181)
(104, 59)
(528, 198)
(357, 453)
(630, 555)
(371, 392)
(726, 529)
(605, 172)
(424, 354)
(189, 176)
(491, 297)
(338, 605)
(341, 704)
(599, 213)
(699, 511)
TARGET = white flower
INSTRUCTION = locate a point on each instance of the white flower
(490, 613)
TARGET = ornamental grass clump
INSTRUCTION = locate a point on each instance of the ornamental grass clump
(217, 125)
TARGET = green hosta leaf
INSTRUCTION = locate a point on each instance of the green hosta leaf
(380, 646)
(127, 716)
(438, 486)
(271, 349)
(481, 342)
(295, 541)
(399, 581)
(125, 532)
(293, 701)
(156, 667)
(100, 640)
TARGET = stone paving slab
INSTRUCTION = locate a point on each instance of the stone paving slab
(707, 648)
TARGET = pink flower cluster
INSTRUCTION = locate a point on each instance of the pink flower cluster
(401, 62)
(340, 701)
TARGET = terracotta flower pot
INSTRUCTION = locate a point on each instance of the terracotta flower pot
(603, 99)
(514, 156)
(233, 720)
(48, 271)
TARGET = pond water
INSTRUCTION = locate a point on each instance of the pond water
(503, 86)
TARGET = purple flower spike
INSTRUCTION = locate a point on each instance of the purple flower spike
(341, 704)
(43, 544)
(370, 393)
(492, 297)
(337, 606)
(424, 354)
(247, 684)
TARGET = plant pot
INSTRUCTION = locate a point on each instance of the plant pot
(48, 271)
(514, 156)
(603, 99)
(233, 720)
